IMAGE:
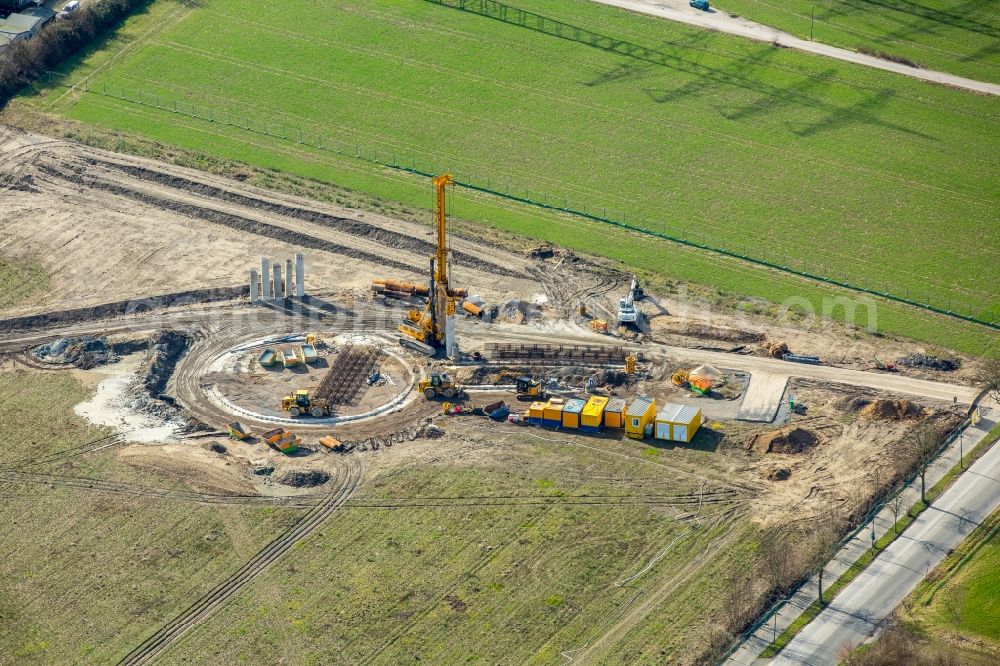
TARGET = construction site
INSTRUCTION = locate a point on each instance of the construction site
(243, 349)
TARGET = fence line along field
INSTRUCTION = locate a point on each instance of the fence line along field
(953, 36)
(821, 165)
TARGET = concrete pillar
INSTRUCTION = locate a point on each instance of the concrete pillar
(450, 343)
(300, 275)
(277, 280)
(288, 278)
(265, 278)
(254, 284)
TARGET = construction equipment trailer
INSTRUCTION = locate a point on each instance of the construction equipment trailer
(627, 312)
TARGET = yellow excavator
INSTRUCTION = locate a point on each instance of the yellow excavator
(529, 388)
(428, 330)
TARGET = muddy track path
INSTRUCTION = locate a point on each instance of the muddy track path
(113, 487)
(348, 225)
(350, 480)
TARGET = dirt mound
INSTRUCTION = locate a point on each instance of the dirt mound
(774, 349)
(215, 447)
(789, 440)
(891, 410)
(725, 334)
(303, 478)
(85, 352)
(932, 362)
(851, 403)
(780, 474)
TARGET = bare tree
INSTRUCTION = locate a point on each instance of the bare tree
(989, 377)
(920, 449)
(896, 504)
(779, 558)
(740, 600)
(954, 605)
(823, 548)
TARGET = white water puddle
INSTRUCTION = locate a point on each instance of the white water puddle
(111, 405)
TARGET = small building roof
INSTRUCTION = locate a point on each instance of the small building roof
(615, 405)
(595, 405)
(17, 23)
(639, 406)
(673, 413)
(43, 13)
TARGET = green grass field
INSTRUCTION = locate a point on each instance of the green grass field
(85, 575)
(852, 173)
(504, 584)
(20, 280)
(962, 598)
(955, 36)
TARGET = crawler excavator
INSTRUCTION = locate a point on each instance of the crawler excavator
(433, 328)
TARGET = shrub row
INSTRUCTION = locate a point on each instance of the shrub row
(24, 61)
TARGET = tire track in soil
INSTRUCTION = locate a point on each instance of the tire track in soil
(101, 485)
(78, 178)
(206, 606)
(347, 225)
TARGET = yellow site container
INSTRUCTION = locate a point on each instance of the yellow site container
(536, 413)
(552, 412)
(641, 412)
(571, 413)
(677, 423)
(592, 415)
(614, 413)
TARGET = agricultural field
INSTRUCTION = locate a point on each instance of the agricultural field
(952, 36)
(86, 575)
(768, 152)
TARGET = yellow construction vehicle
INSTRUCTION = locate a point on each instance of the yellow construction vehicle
(529, 388)
(300, 403)
(440, 384)
(428, 330)
(630, 362)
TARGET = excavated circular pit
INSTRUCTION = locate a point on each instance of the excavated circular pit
(239, 384)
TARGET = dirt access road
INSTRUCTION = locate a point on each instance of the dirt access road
(678, 10)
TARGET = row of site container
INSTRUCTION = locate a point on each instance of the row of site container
(639, 417)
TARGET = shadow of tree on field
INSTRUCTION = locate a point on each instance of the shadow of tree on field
(737, 75)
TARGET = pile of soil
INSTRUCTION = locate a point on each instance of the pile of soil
(85, 352)
(891, 410)
(304, 479)
(851, 403)
(780, 474)
(513, 312)
(789, 440)
(932, 362)
(774, 349)
(215, 447)
(724, 334)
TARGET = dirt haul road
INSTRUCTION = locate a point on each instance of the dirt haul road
(120, 227)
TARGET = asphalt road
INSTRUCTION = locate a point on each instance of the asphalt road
(860, 608)
(678, 10)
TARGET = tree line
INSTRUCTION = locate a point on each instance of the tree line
(23, 62)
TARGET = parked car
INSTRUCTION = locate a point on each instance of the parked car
(69, 9)
(699, 4)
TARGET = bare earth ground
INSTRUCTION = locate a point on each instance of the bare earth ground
(548, 513)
